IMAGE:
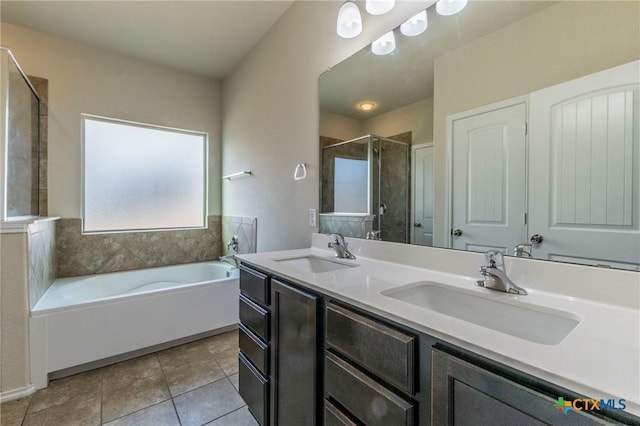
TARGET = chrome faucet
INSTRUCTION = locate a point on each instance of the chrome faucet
(495, 278)
(340, 247)
(523, 250)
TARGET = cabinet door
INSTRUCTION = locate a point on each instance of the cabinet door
(465, 394)
(295, 343)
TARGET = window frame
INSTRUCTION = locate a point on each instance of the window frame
(205, 189)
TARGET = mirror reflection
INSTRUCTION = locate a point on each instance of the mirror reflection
(521, 121)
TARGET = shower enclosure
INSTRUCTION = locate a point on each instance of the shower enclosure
(20, 140)
(365, 188)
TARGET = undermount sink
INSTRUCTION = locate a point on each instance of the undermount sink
(539, 325)
(314, 264)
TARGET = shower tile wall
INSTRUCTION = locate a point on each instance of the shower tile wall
(42, 265)
(78, 254)
(245, 228)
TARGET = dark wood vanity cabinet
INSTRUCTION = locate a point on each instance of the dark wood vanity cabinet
(280, 340)
(307, 359)
(370, 369)
(466, 394)
(296, 373)
(254, 342)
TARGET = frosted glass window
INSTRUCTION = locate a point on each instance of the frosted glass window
(351, 185)
(139, 177)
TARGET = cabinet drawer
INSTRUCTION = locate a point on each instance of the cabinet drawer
(254, 317)
(385, 351)
(254, 349)
(255, 285)
(254, 389)
(368, 400)
(334, 417)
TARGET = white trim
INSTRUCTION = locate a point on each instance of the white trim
(22, 226)
(524, 99)
(12, 395)
(413, 188)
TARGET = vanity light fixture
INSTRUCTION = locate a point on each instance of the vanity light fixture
(366, 106)
(384, 45)
(415, 25)
(379, 7)
(349, 20)
(450, 7)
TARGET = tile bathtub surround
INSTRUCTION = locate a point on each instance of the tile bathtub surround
(42, 264)
(348, 225)
(78, 254)
(245, 228)
(191, 384)
(42, 87)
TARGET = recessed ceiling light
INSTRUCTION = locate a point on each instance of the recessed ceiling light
(366, 106)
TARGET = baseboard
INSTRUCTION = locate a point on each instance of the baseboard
(17, 393)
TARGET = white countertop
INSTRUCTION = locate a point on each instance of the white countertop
(600, 358)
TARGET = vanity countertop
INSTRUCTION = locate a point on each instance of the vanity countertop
(599, 358)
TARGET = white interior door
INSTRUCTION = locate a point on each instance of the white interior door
(422, 167)
(489, 180)
(584, 195)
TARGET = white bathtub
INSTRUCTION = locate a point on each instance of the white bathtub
(81, 320)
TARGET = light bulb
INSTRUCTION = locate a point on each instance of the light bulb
(379, 7)
(450, 7)
(384, 45)
(349, 21)
(415, 25)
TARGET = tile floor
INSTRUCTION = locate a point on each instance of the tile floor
(191, 384)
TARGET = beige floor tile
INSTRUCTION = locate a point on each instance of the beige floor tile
(15, 421)
(228, 361)
(241, 417)
(161, 414)
(140, 394)
(179, 356)
(207, 403)
(234, 379)
(124, 374)
(192, 375)
(223, 342)
(81, 411)
(62, 390)
(14, 409)
(39, 418)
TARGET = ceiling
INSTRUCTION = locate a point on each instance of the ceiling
(207, 38)
(406, 75)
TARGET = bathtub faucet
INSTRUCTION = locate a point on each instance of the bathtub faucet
(230, 259)
(233, 244)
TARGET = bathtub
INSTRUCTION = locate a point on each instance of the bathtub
(82, 320)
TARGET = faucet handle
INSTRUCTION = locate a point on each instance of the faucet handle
(495, 258)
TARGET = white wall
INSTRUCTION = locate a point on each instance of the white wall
(84, 79)
(270, 117)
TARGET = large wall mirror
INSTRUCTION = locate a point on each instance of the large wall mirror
(520, 122)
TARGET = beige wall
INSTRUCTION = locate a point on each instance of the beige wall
(416, 118)
(270, 117)
(562, 42)
(14, 313)
(338, 126)
(84, 79)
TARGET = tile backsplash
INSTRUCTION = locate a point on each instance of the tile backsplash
(245, 228)
(79, 254)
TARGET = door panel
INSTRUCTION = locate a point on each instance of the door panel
(489, 180)
(584, 195)
(423, 196)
